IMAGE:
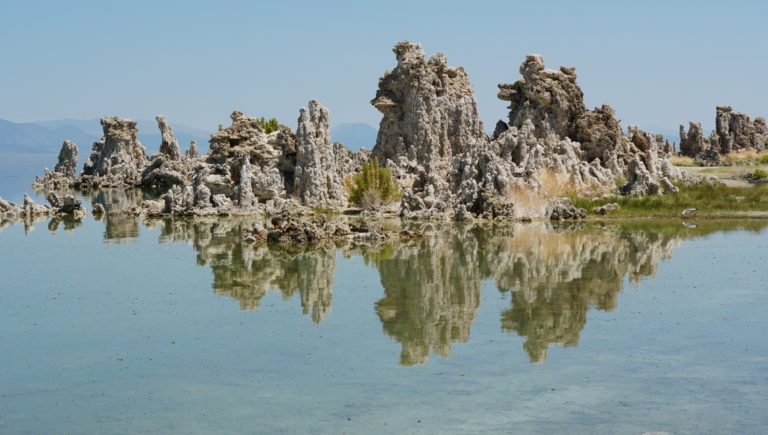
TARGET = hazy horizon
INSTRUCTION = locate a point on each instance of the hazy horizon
(658, 64)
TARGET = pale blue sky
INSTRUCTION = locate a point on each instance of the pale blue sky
(659, 63)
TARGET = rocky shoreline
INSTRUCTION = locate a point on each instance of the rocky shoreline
(551, 146)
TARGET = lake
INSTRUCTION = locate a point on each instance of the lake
(126, 326)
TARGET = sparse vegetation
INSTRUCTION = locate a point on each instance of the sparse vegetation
(268, 125)
(683, 161)
(372, 186)
(710, 200)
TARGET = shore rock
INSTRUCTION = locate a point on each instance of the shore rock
(317, 179)
(606, 209)
(693, 142)
(65, 172)
(118, 158)
(430, 115)
(736, 131)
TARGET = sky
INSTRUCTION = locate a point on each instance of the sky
(658, 63)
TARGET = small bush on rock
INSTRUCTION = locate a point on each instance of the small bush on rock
(268, 125)
(372, 186)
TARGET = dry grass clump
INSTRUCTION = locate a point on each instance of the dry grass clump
(556, 184)
(741, 158)
(532, 200)
(682, 161)
(528, 201)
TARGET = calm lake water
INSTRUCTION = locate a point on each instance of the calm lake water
(178, 326)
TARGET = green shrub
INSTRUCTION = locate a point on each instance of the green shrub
(759, 174)
(268, 125)
(372, 186)
(764, 160)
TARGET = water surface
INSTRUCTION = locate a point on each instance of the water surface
(160, 326)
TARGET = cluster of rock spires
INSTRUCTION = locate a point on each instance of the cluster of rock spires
(430, 137)
(433, 139)
(59, 206)
(734, 132)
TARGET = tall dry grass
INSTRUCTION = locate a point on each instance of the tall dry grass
(748, 157)
(682, 161)
(532, 200)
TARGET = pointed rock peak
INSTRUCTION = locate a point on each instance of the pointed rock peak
(169, 145)
(407, 52)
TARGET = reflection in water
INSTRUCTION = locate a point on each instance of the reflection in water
(119, 229)
(557, 276)
(432, 291)
(553, 273)
(246, 273)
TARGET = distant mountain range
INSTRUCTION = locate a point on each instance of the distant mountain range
(355, 135)
(46, 137)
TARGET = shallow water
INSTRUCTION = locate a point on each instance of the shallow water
(18, 171)
(178, 326)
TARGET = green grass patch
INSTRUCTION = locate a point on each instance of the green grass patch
(759, 174)
(709, 199)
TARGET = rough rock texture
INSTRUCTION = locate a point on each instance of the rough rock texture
(67, 205)
(65, 172)
(430, 137)
(563, 209)
(270, 155)
(736, 131)
(168, 167)
(693, 142)
(9, 210)
(349, 162)
(169, 145)
(554, 103)
(317, 179)
(118, 158)
(289, 230)
(551, 145)
(430, 115)
(639, 181)
(606, 209)
(192, 150)
(67, 164)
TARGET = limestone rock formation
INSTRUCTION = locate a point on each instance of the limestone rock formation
(67, 205)
(430, 115)
(169, 145)
(65, 172)
(317, 179)
(736, 131)
(693, 142)
(563, 209)
(554, 103)
(118, 158)
(168, 167)
(550, 99)
(639, 180)
(265, 152)
(67, 164)
(192, 150)
(9, 210)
